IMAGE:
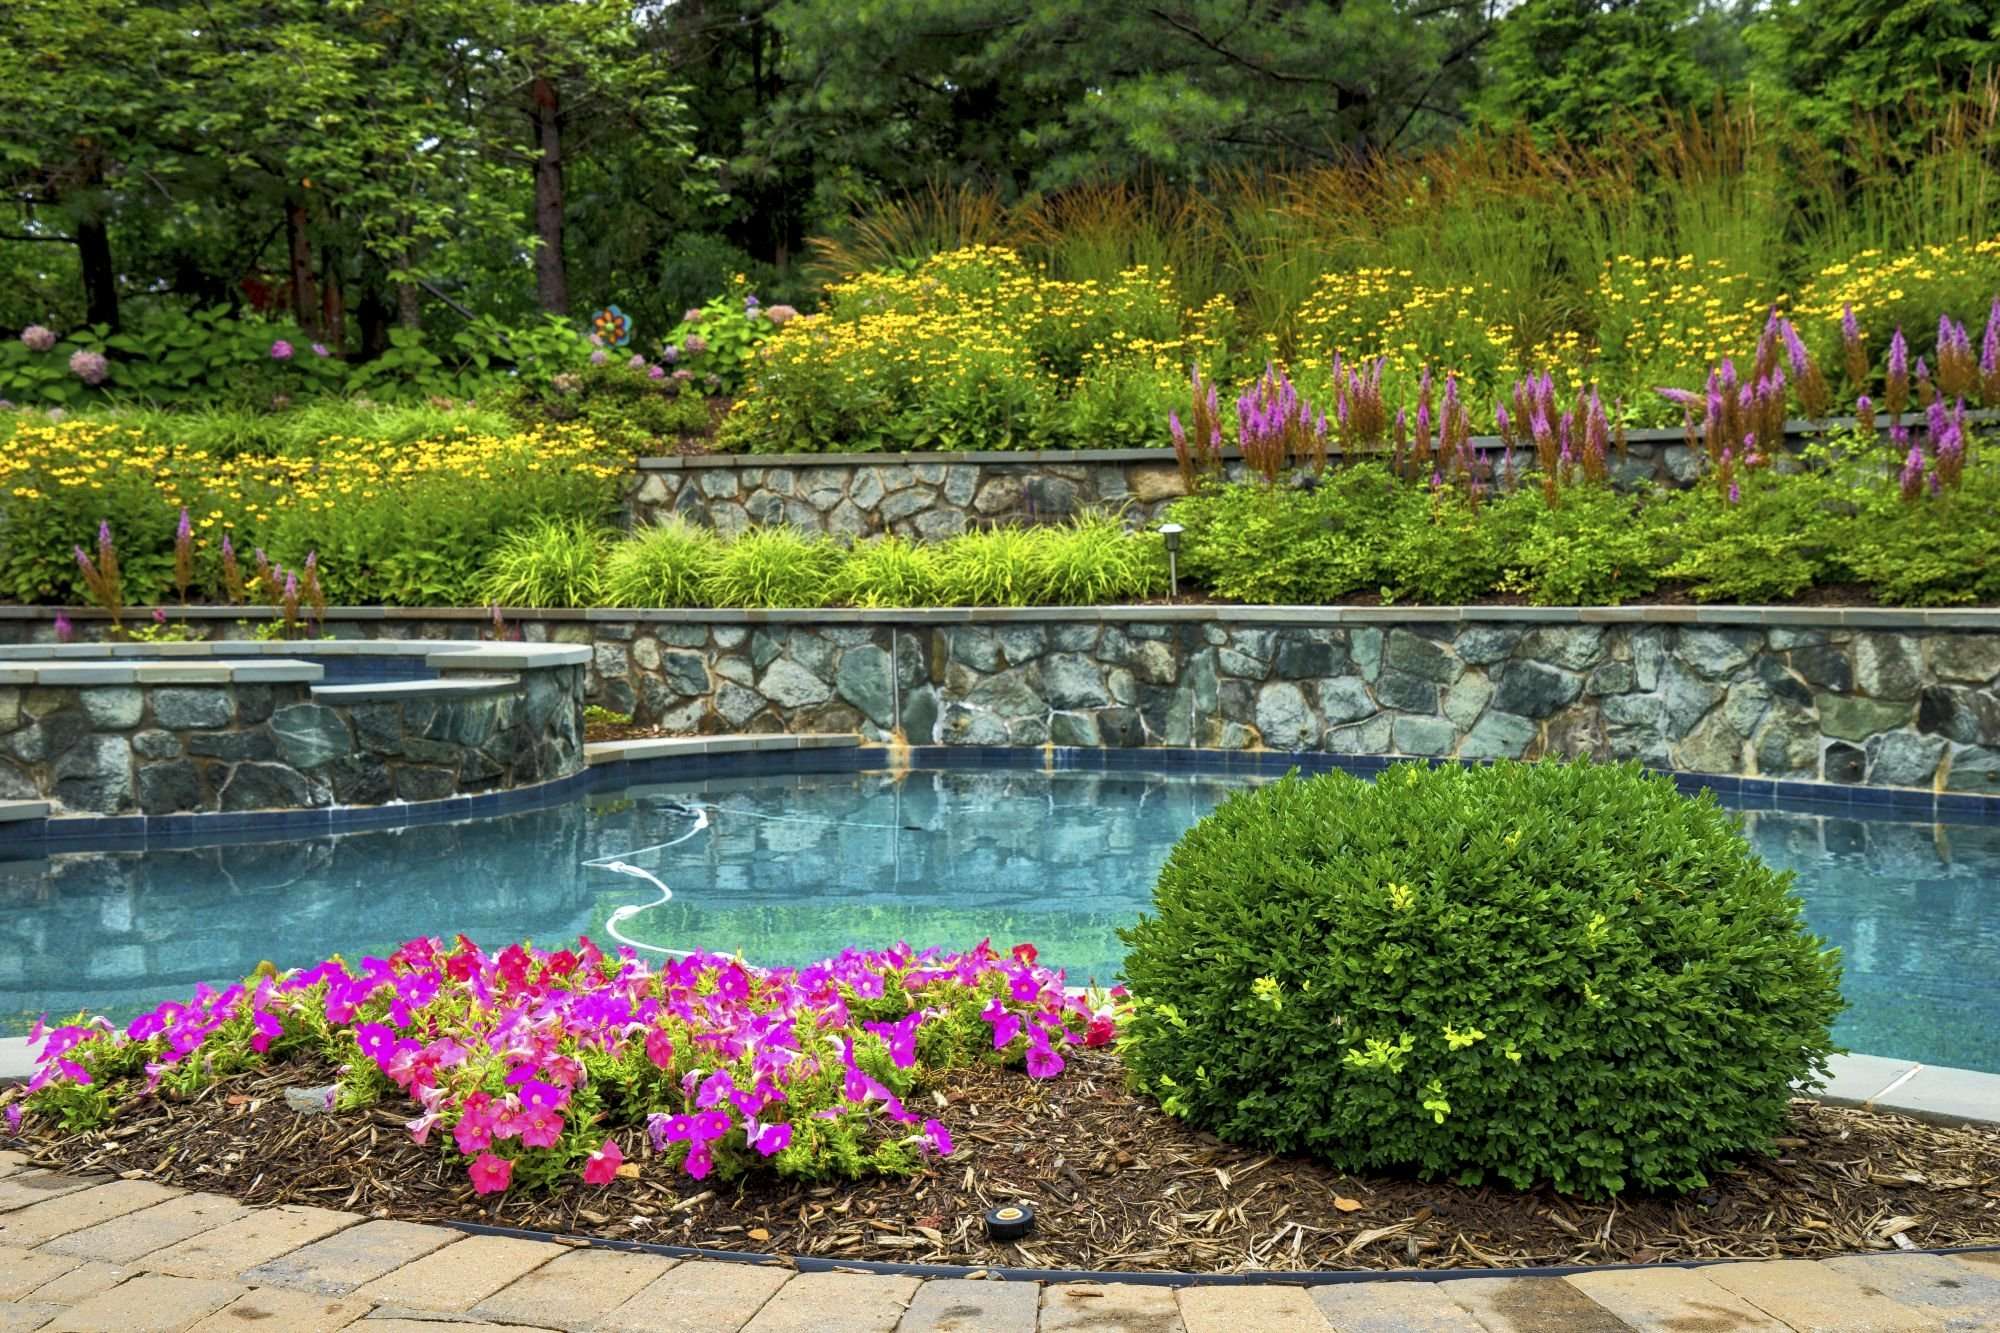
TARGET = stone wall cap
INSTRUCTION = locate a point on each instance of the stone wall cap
(12, 812)
(599, 753)
(510, 657)
(1163, 453)
(458, 687)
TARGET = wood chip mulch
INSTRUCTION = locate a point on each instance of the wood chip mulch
(1117, 1185)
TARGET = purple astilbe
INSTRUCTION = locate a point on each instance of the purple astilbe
(1855, 354)
(1948, 444)
(183, 554)
(65, 631)
(1276, 427)
(1989, 358)
(1864, 416)
(1198, 440)
(1926, 386)
(1896, 390)
(1958, 366)
(101, 576)
(232, 571)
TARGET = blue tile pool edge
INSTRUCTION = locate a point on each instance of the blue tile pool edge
(784, 754)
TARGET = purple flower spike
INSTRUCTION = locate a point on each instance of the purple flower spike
(1899, 354)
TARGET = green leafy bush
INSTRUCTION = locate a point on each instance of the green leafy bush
(666, 564)
(1284, 545)
(1594, 548)
(551, 562)
(1528, 973)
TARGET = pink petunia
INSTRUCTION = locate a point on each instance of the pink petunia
(938, 1137)
(659, 1048)
(490, 1174)
(602, 1168)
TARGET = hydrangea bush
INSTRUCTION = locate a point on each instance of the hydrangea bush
(534, 1067)
(1529, 973)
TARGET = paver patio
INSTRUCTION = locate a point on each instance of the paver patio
(309, 1270)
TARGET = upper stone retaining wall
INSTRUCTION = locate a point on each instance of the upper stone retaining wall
(163, 729)
(931, 496)
(1886, 698)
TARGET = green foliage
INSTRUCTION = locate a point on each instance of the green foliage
(1590, 549)
(1093, 560)
(888, 571)
(1576, 67)
(1257, 544)
(665, 564)
(1527, 974)
(551, 562)
(1782, 536)
(773, 567)
(726, 332)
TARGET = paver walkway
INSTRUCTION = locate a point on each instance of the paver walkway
(132, 1256)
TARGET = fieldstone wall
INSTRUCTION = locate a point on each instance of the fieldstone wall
(933, 496)
(170, 749)
(1902, 699)
(1885, 708)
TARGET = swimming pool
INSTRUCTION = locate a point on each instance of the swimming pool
(791, 867)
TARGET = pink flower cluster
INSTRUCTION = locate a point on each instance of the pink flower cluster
(533, 1060)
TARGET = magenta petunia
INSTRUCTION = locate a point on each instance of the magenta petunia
(490, 1174)
(602, 1166)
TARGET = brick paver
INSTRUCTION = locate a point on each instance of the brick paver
(22, 1316)
(236, 1247)
(137, 1257)
(1815, 1299)
(573, 1290)
(21, 1271)
(18, 1189)
(283, 1311)
(393, 1325)
(1929, 1283)
(836, 1303)
(1665, 1300)
(41, 1222)
(348, 1259)
(1236, 1309)
(460, 1276)
(1110, 1307)
(962, 1305)
(81, 1283)
(1393, 1307)
(1531, 1305)
(149, 1303)
(123, 1239)
(698, 1296)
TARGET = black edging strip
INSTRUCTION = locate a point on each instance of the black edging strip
(1324, 1277)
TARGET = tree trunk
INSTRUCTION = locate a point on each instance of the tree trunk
(551, 281)
(100, 279)
(333, 305)
(409, 297)
(304, 305)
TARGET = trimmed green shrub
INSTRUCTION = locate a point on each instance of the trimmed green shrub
(551, 562)
(665, 564)
(1531, 973)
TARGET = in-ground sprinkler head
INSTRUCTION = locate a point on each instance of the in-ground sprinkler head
(1010, 1221)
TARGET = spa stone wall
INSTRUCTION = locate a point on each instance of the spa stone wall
(172, 749)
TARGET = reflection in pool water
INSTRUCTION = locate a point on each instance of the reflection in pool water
(790, 868)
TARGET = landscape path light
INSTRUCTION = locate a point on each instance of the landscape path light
(1172, 532)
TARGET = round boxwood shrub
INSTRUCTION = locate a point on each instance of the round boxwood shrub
(1561, 973)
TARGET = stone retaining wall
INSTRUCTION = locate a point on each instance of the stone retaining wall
(215, 743)
(1894, 699)
(935, 495)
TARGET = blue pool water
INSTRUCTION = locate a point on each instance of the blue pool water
(787, 868)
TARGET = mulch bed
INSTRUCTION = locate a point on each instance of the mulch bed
(1116, 1184)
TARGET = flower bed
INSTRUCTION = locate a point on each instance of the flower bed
(1117, 1184)
(537, 1067)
